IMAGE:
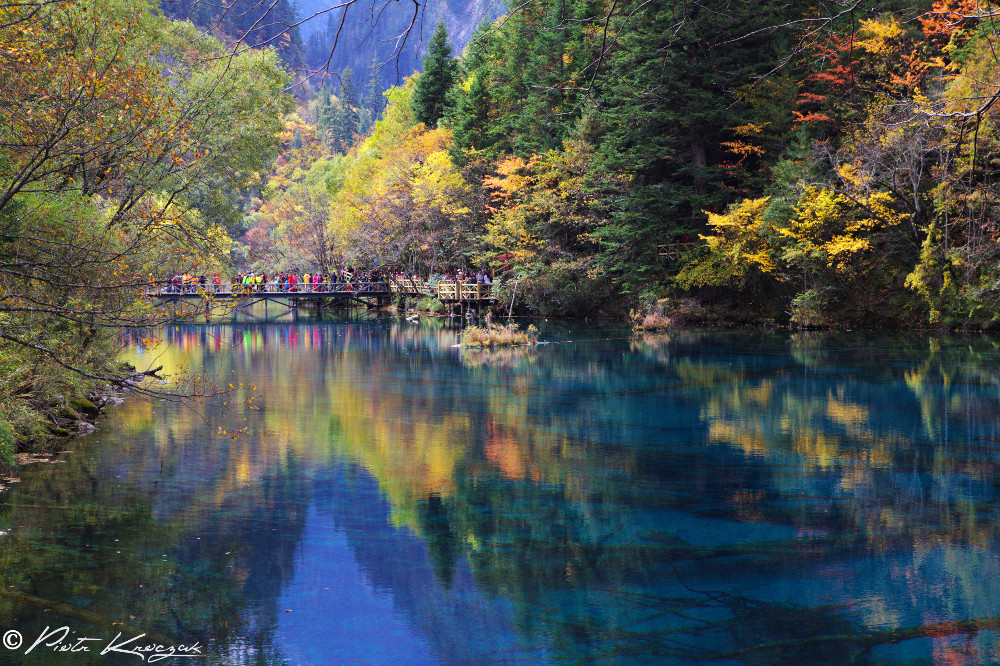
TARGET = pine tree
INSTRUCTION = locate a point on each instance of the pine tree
(439, 74)
(667, 106)
(348, 93)
(372, 100)
(471, 118)
(349, 104)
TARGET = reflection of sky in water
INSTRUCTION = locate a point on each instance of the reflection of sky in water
(603, 498)
(330, 607)
(366, 592)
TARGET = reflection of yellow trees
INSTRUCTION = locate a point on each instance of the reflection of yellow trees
(324, 391)
(812, 428)
(472, 453)
(767, 417)
(361, 392)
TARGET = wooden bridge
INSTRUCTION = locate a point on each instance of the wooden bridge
(367, 292)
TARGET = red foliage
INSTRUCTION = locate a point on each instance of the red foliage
(811, 117)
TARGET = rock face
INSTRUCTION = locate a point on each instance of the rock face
(371, 37)
(366, 41)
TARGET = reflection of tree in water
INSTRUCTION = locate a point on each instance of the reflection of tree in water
(529, 535)
(582, 584)
(100, 557)
(441, 541)
(655, 346)
(576, 476)
(590, 590)
(431, 584)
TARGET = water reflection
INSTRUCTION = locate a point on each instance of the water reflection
(702, 496)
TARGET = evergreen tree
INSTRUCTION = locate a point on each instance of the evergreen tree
(667, 106)
(326, 116)
(350, 124)
(471, 118)
(439, 74)
(348, 93)
(372, 99)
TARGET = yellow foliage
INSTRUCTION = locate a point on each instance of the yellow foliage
(739, 235)
(834, 227)
(750, 129)
(742, 148)
(879, 36)
(401, 181)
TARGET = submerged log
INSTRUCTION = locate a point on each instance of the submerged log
(872, 639)
(93, 619)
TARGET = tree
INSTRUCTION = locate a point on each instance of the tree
(433, 84)
(470, 119)
(115, 126)
(403, 203)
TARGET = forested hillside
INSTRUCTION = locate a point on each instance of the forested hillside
(387, 44)
(765, 161)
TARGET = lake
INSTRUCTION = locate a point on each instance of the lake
(369, 493)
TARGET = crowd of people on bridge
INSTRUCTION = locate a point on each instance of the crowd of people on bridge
(348, 279)
(288, 282)
(458, 277)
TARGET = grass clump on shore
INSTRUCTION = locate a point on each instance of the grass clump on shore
(495, 335)
(654, 321)
(667, 313)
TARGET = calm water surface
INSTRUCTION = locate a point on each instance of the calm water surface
(702, 497)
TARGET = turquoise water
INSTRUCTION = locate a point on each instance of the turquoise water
(384, 497)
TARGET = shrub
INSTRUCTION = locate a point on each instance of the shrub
(430, 304)
(495, 335)
(6, 446)
(809, 310)
(654, 321)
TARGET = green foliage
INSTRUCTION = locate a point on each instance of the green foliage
(6, 446)
(809, 310)
(844, 177)
(341, 119)
(165, 134)
(437, 78)
(430, 304)
(470, 119)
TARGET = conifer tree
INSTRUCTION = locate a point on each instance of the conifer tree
(471, 118)
(350, 120)
(372, 99)
(439, 74)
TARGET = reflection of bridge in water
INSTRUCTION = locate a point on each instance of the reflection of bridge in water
(324, 294)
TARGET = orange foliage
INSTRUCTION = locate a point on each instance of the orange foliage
(86, 120)
(948, 17)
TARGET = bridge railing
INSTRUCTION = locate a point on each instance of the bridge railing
(271, 288)
(452, 291)
(409, 286)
